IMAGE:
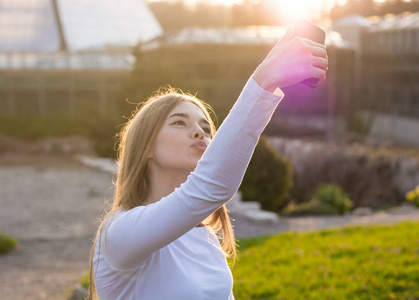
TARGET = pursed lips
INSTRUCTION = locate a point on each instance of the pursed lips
(200, 145)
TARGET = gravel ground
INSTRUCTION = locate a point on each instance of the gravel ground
(51, 206)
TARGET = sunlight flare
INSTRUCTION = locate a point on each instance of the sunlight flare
(297, 9)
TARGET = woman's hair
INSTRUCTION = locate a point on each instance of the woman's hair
(136, 140)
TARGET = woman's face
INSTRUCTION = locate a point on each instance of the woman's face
(182, 140)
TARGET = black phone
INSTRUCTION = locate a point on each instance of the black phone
(310, 31)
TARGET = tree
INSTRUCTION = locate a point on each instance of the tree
(255, 13)
(368, 8)
(176, 15)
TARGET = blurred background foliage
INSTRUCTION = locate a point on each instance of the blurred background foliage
(327, 199)
(195, 69)
(268, 178)
(250, 12)
(217, 73)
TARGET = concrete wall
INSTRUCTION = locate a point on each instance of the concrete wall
(400, 129)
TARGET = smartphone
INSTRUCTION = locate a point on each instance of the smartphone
(310, 31)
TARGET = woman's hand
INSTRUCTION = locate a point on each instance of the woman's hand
(292, 60)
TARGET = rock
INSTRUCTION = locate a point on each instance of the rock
(261, 216)
(404, 209)
(250, 205)
(234, 202)
(362, 211)
(251, 210)
(236, 205)
(407, 176)
(105, 164)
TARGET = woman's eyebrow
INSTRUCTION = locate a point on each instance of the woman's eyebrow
(185, 115)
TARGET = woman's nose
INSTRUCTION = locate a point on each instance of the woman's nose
(198, 132)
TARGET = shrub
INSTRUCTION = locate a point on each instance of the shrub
(7, 243)
(413, 196)
(268, 178)
(333, 196)
(369, 177)
(312, 207)
(328, 199)
(359, 123)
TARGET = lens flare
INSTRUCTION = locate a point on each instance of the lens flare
(297, 9)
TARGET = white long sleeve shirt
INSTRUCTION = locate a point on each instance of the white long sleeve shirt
(156, 252)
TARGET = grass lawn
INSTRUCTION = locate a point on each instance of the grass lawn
(365, 262)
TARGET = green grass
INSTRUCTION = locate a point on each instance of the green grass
(7, 243)
(369, 262)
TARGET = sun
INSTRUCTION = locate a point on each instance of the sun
(297, 9)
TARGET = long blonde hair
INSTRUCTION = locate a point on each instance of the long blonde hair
(136, 139)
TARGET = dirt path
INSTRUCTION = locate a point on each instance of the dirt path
(51, 205)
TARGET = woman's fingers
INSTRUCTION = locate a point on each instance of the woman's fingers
(318, 73)
(309, 42)
(321, 63)
(309, 47)
(319, 68)
(315, 48)
(318, 51)
(312, 43)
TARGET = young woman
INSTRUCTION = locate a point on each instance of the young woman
(161, 239)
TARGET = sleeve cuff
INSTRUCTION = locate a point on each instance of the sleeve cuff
(278, 92)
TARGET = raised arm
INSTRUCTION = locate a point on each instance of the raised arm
(135, 235)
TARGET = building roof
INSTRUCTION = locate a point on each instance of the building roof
(354, 20)
(99, 60)
(228, 36)
(43, 25)
(249, 35)
(388, 22)
(395, 22)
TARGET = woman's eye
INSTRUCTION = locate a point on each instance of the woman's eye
(207, 130)
(180, 122)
